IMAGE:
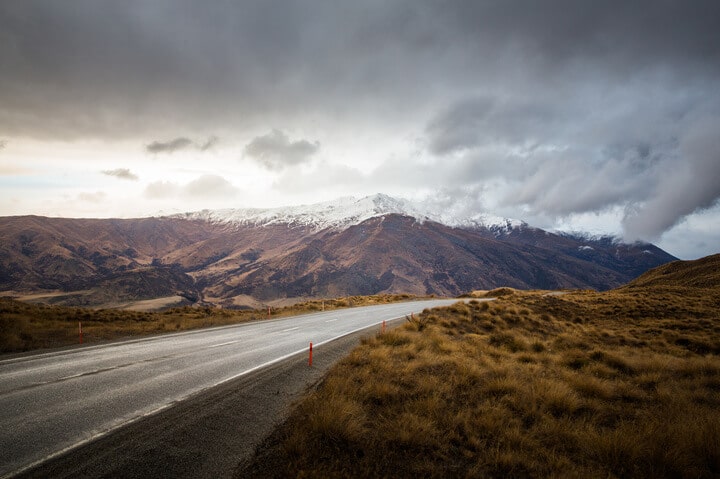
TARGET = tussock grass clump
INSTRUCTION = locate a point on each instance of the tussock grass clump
(518, 387)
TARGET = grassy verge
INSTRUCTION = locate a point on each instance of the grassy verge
(617, 384)
(24, 326)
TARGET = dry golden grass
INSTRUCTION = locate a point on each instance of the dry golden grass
(26, 326)
(618, 384)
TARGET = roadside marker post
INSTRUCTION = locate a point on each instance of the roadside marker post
(268, 312)
(310, 358)
(383, 327)
(80, 330)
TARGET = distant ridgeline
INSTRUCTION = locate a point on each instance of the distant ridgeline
(240, 258)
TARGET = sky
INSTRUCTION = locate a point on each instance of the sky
(571, 115)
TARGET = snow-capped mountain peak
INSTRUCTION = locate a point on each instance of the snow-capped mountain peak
(348, 211)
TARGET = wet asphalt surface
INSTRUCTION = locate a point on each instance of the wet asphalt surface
(188, 404)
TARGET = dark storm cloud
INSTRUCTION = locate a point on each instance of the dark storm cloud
(275, 151)
(179, 144)
(627, 35)
(121, 173)
(129, 65)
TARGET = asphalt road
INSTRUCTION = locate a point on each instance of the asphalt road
(53, 402)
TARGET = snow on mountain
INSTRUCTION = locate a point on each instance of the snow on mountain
(590, 237)
(348, 211)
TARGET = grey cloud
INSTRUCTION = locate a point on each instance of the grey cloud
(122, 173)
(118, 68)
(210, 186)
(565, 184)
(209, 144)
(626, 36)
(171, 146)
(275, 151)
(628, 149)
(485, 120)
(685, 186)
(3, 144)
(181, 143)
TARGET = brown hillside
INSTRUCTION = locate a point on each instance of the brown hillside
(95, 262)
(701, 273)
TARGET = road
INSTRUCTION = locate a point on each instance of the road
(57, 401)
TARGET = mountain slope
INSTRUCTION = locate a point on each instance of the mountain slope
(397, 254)
(700, 273)
(368, 246)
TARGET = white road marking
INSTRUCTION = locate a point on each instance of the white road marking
(331, 320)
(290, 329)
(223, 344)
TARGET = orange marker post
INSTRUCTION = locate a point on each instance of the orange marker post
(383, 327)
(80, 330)
(310, 358)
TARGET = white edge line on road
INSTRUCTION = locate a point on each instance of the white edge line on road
(290, 329)
(183, 398)
(331, 320)
(223, 344)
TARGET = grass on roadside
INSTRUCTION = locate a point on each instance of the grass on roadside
(618, 384)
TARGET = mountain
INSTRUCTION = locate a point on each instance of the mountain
(242, 257)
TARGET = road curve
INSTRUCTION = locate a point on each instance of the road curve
(56, 401)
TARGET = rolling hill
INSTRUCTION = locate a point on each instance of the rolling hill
(701, 273)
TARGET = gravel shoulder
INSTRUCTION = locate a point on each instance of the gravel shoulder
(208, 435)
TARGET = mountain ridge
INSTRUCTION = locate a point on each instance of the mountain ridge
(316, 252)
